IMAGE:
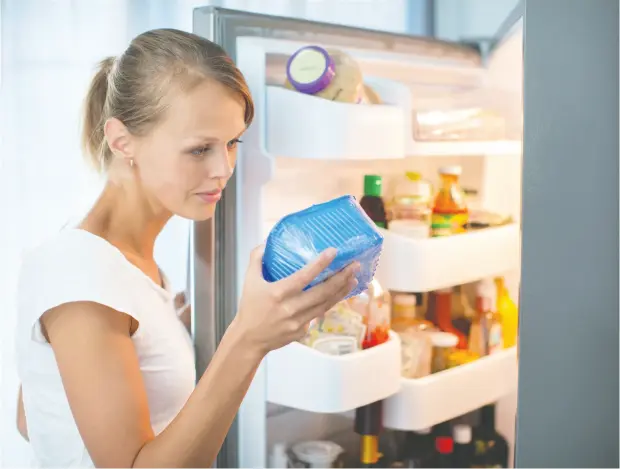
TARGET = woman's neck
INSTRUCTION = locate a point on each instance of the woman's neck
(126, 218)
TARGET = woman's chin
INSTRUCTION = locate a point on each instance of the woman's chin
(201, 213)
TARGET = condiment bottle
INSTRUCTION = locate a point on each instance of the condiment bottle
(408, 312)
(450, 213)
(442, 315)
(485, 336)
(371, 202)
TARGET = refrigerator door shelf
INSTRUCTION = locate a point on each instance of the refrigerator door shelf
(306, 379)
(424, 402)
(422, 265)
(304, 126)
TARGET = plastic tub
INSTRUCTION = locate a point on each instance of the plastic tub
(340, 223)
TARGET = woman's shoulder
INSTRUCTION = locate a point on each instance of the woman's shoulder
(75, 265)
(72, 250)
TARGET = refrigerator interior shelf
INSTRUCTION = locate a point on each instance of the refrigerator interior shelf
(464, 148)
(303, 126)
(422, 265)
(306, 379)
(424, 402)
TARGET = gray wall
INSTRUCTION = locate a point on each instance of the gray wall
(568, 389)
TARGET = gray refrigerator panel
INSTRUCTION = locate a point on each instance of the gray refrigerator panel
(568, 367)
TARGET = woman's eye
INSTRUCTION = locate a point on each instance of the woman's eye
(233, 143)
(201, 151)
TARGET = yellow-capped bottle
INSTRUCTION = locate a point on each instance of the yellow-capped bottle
(508, 312)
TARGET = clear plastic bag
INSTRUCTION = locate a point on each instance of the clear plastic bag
(300, 237)
(340, 331)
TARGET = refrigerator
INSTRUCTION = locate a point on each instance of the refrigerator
(302, 150)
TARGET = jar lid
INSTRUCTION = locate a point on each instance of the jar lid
(310, 69)
(317, 453)
(453, 170)
(444, 339)
(413, 175)
(462, 434)
(406, 299)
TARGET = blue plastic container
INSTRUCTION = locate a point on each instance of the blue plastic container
(340, 223)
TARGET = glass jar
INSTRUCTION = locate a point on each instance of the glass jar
(412, 199)
(450, 213)
(443, 345)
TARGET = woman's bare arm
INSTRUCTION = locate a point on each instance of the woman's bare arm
(22, 426)
(109, 402)
(102, 379)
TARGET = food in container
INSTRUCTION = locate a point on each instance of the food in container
(412, 198)
(416, 351)
(327, 73)
(444, 344)
(340, 331)
(300, 237)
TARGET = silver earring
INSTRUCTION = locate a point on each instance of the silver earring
(131, 163)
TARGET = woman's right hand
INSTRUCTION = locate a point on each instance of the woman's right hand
(272, 315)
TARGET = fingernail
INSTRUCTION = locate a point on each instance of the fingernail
(356, 267)
(330, 253)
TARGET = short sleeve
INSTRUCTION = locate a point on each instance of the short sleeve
(73, 267)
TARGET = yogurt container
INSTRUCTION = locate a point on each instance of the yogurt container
(326, 73)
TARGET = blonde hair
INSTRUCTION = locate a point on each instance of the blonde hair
(133, 86)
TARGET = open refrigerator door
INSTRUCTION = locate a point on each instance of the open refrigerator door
(429, 107)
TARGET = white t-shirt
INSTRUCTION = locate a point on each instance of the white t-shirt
(76, 265)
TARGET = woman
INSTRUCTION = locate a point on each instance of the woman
(107, 367)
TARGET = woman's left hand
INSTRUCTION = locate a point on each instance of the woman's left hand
(184, 309)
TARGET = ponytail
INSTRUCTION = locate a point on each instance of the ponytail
(93, 138)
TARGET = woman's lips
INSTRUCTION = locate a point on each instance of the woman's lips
(210, 197)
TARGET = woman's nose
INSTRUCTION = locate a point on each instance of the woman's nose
(221, 166)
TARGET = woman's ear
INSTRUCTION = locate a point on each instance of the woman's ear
(119, 139)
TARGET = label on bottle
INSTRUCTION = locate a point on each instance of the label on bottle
(496, 342)
(446, 224)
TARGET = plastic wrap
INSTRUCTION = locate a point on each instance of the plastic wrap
(341, 330)
(300, 237)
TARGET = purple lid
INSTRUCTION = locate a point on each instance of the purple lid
(325, 77)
